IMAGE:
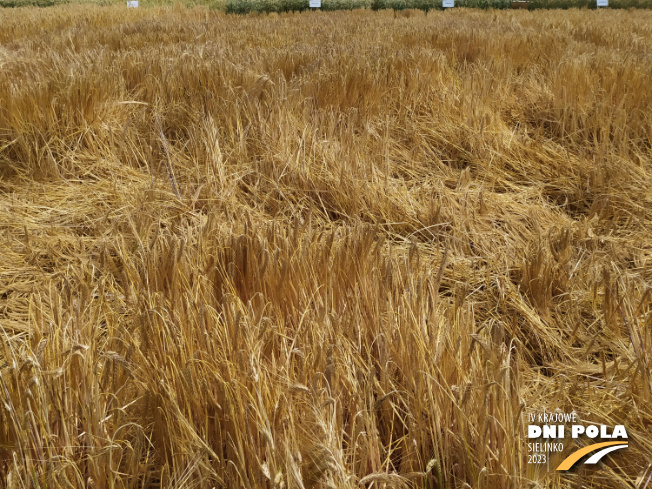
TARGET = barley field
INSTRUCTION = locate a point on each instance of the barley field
(322, 249)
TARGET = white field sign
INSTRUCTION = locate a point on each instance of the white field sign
(448, 3)
(314, 3)
(132, 4)
(603, 3)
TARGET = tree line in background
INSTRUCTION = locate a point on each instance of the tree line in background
(246, 6)
(268, 6)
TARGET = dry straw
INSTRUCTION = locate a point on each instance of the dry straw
(321, 250)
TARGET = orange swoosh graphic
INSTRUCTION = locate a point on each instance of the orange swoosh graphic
(575, 456)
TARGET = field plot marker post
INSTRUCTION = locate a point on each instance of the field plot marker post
(448, 3)
(314, 3)
(602, 3)
(132, 4)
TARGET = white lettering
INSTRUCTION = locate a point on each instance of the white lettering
(592, 431)
(577, 430)
(603, 431)
(533, 431)
(619, 431)
(549, 431)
